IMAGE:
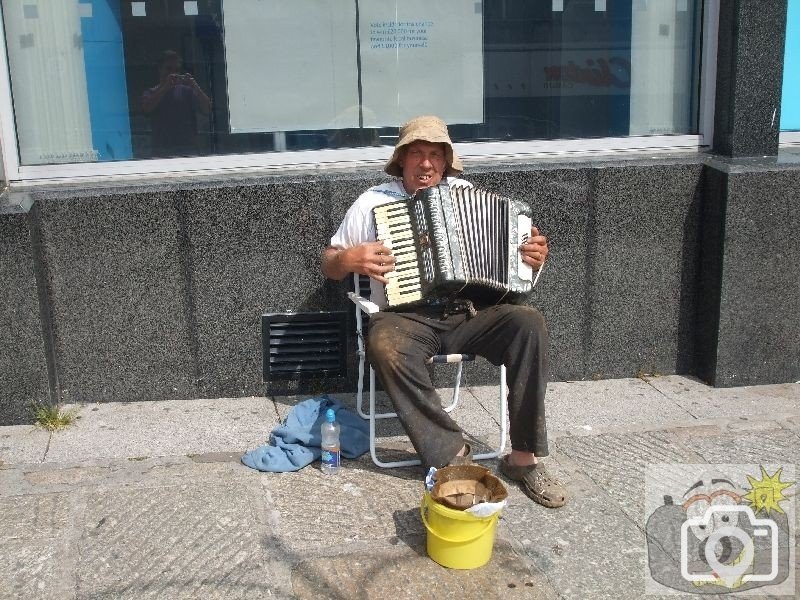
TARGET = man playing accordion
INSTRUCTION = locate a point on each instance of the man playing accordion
(401, 340)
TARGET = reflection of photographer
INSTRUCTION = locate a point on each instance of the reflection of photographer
(712, 544)
(172, 106)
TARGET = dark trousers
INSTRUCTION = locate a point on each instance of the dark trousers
(516, 336)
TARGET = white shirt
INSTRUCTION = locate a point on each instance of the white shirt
(358, 225)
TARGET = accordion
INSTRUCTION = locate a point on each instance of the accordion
(455, 242)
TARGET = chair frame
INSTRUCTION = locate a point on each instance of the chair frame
(364, 306)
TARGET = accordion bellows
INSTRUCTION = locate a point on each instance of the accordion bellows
(458, 242)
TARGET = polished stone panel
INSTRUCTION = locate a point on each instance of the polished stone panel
(641, 300)
(23, 364)
(563, 211)
(115, 283)
(156, 290)
(749, 76)
(752, 269)
(253, 249)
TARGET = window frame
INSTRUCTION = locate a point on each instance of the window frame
(789, 138)
(471, 152)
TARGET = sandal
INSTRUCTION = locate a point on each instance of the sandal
(538, 484)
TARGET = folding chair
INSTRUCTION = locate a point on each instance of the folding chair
(365, 307)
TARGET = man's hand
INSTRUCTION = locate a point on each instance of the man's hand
(535, 250)
(371, 258)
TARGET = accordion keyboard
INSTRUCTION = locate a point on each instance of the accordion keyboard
(394, 229)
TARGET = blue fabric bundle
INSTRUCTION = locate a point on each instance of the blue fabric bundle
(296, 443)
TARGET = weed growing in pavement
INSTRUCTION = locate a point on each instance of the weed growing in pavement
(646, 376)
(53, 418)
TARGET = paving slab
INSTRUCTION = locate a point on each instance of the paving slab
(616, 464)
(704, 401)
(775, 446)
(51, 478)
(55, 478)
(27, 517)
(35, 532)
(139, 502)
(10, 480)
(410, 574)
(28, 569)
(357, 508)
(180, 541)
(22, 444)
(585, 406)
(166, 428)
(588, 548)
(791, 423)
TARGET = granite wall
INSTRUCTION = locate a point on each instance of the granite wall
(748, 328)
(116, 287)
(658, 265)
(117, 292)
(619, 288)
(749, 77)
(23, 360)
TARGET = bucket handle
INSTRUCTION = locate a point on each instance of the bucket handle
(423, 510)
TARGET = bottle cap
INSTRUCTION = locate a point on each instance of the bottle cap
(330, 416)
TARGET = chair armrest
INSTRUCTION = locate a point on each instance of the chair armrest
(363, 304)
(449, 358)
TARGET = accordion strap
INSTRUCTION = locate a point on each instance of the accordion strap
(499, 300)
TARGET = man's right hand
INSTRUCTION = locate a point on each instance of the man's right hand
(370, 258)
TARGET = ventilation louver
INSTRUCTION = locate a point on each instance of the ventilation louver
(364, 286)
(298, 345)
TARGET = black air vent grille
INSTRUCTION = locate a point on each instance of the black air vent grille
(300, 345)
(363, 286)
(365, 292)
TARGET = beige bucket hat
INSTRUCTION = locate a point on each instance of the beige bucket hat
(427, 129)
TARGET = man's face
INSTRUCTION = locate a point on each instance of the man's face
(423, 165)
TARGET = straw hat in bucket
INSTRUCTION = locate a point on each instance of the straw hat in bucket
(424, 129)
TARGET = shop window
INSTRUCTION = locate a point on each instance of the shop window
(120, 80)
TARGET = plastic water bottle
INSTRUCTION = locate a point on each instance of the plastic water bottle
(331, 451)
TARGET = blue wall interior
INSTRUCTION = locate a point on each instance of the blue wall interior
(790, 101)
(619, 114)
(104, 60)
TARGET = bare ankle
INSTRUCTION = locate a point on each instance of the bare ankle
(520, 458)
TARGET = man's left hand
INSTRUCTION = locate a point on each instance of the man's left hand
(534, 251)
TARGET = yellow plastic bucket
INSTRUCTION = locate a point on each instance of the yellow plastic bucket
(457, 539)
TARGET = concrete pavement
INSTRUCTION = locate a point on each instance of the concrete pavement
(149, 500)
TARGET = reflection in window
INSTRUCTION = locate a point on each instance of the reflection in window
(106, 80)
